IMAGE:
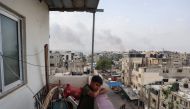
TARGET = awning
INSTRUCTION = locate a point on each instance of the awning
(72, 5)
(114, 84)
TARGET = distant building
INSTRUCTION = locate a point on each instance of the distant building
(66, 61)
(173, 72)
(54, 59)
(150, 95)
(185, 57)
(131, 61)
(170, 64)
(144, 76)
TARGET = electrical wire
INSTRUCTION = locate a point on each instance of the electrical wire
(4, 56)
(41, 51)
(28, 87)
(21, 60)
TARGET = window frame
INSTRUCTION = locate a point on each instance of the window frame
(20, 32)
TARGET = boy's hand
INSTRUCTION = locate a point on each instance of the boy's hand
(103, 91)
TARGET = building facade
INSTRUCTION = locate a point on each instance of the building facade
(24, 32)
(66, 61)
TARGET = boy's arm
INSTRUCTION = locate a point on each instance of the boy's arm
(103, 91)
(100, 91)
(94, 94)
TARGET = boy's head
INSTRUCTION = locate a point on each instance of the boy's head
(96, 82)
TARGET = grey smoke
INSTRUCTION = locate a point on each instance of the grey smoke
(106, 37)
(66, 34)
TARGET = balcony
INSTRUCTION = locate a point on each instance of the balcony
(101, 101)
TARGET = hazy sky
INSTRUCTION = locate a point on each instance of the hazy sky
(124, 25)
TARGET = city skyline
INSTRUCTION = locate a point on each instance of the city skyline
(124, 25)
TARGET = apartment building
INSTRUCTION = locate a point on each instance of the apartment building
(185, 57)
(173, 72)
(177, 97)
(66, 61)
(55, 59)
(144, 76)
(150, 95)
(131, 60)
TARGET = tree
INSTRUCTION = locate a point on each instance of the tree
(104, 63)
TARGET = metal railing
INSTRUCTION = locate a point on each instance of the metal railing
(40, 97)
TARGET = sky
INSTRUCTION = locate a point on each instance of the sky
(124, 25)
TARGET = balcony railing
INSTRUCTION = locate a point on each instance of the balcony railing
(101, 102)
(40, 97)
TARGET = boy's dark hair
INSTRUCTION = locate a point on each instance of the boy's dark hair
(97, 79)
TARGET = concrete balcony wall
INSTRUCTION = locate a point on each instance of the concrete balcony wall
(77, 81)
(102, 101)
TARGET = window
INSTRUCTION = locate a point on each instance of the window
(181, 101)
(167, 71)
(153, 100)
(51, 65)
(179, 70)
(51, 57)
(175, 98)
(164, 105)
(165, 80)
(186, 104)
(144, 69)
(139, 75)
(11, 68)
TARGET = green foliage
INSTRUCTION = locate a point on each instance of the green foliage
(174, 87)
(166, 92)
(104, 63)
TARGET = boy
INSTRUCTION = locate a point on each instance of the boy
(89, 92)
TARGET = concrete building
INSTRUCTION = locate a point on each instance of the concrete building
(24, 32)
(178, 73)
(175, 97)
(152, 58)
(150, 95)
(66, 61)
(175, 59)
(131, 61)
(144, 76)
(185, 57)
(55, 60)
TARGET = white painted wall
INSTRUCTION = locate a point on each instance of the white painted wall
(151, 77)
(37, 34)
(77, 81)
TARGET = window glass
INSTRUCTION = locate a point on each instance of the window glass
(10, 49)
